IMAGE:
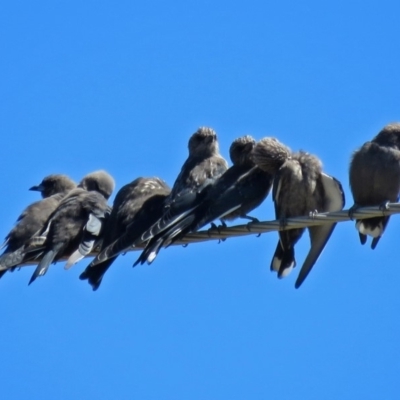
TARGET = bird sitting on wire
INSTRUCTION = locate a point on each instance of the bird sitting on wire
(203, 166)
(52, 188)
(137, 206)
(76, 225)
(375, 179)
(300, 188)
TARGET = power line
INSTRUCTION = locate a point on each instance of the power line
(255, 228)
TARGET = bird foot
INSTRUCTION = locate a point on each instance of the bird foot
(248, 227)
(352, 210)
(252, 219)
(216, 228)
(213, 227)
(384, 206)
(313, 214)
(282, 222)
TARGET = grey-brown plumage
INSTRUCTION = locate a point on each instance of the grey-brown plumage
(203, 166)
(76, 225)
(137, 206)
(300, 188)
(54, 184)
(243, 187)
(52, 188)
(375, 179)
(98, 181)
(269, 154)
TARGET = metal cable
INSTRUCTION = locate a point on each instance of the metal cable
(255, 228)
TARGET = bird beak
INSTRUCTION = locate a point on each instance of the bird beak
(38, 188)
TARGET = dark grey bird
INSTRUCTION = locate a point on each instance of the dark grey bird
(137, 206)
(203, 166)
(375, 179)
(242, 188)
(52, 188)
(76, 225)
(301, 188)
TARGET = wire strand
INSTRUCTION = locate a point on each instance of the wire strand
(256, 228)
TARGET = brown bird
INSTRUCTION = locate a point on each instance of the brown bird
(137, 206)
(243, 187)
(52, 188)
(203, 166)
(76, 224)
(375, 179)
(300, 188)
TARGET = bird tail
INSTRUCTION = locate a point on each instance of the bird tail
(43, 265)
(372, 227)
(94, 273)
(283, 260)
(150, 251)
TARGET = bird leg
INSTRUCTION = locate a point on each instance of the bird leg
(282, 222)
(384, 206)
(313, 213)
(218, 229)
(252, 219)
(352, 210)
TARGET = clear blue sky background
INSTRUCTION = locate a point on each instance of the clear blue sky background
(122, 86)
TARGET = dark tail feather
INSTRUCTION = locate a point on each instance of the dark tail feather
(363, 238)
(376, 240)
(150, 252)
(288, 262)
(94, 274)
(44, 264)
(277, 258)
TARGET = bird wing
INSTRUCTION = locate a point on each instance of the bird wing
(320, 234)
(91, 234)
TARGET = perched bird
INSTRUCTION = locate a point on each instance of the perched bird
(375, 179)
(52, 188)
(76, 225)
(301, 188)
(54, 184)
(243, 187)
(137, 206)
(98, 181)
(203, 166)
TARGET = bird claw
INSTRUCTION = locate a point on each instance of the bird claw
(252, 219)
(352, 210)
(223, 224)
(282, 222)
(248, 227)
(384, 206)
(313, 214)
(213, 227)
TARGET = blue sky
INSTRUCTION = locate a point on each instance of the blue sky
(122, 86)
